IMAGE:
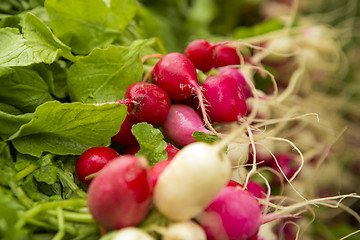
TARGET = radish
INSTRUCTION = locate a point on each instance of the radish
(186, 230)
(252, 187)
(121, 194)
(226, 55)
(157, 170)
(177, 75)
(182, 121)
(234, 214)
(288, 165)
(152, 103)
(224, 94)
(132, 233)
(93, 160)
(202, 54)
(125, 137)
(192, 180)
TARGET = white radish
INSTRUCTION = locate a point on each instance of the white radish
(132, 233)
(192, 180)
(186, 230)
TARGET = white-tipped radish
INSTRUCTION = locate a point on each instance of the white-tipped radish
(132, 233)
(238, 153)
(186, 230)
(191, 181)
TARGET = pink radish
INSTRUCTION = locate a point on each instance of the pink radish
(177, 75)
(192, 180)
(93, 160)
(182, 121)
(234, 214)
(202, 54)
(224, 94)
(121, 194)
(252, 187)
(124, 137)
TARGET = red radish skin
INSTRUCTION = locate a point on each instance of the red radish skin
(130, 150)
(237, 75)
(157, 169)
(225, 98)
(121, 194)
(202, 54)
(181, 123)
(177, 75)
(252, 187)
(124, 137)
(152, 103)
(93, 160)
(226, 55)
(171, 151)
(234, 214)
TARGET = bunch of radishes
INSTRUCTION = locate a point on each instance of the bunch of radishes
(194, 189)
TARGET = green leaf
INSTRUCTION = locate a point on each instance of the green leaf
(68, 128)
(203, 137)
(47, 172)
(55, 77)
(105, 74)
(151, 142)
(23, 88)
(87, 24)
(36, 44)
(10, 124)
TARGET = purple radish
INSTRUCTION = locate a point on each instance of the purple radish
(234, 214)
(202, 54)
(182, 121)
(225, 97)
(176, 74)
(237, 75)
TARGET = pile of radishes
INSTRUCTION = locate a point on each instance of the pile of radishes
(204, 190)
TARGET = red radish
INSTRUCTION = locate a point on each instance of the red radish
(171, 150)
(226, 55)
(237, 75)
(121, 194)
(124, 137)
(182, 121)
(192, 180)
(133, 149)
(152, 103)
(157, 170)
(93, 160)
(252, 187)
(177, 75)
(234, 214)
(202, 54)
(288, 165)
(224, 94)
